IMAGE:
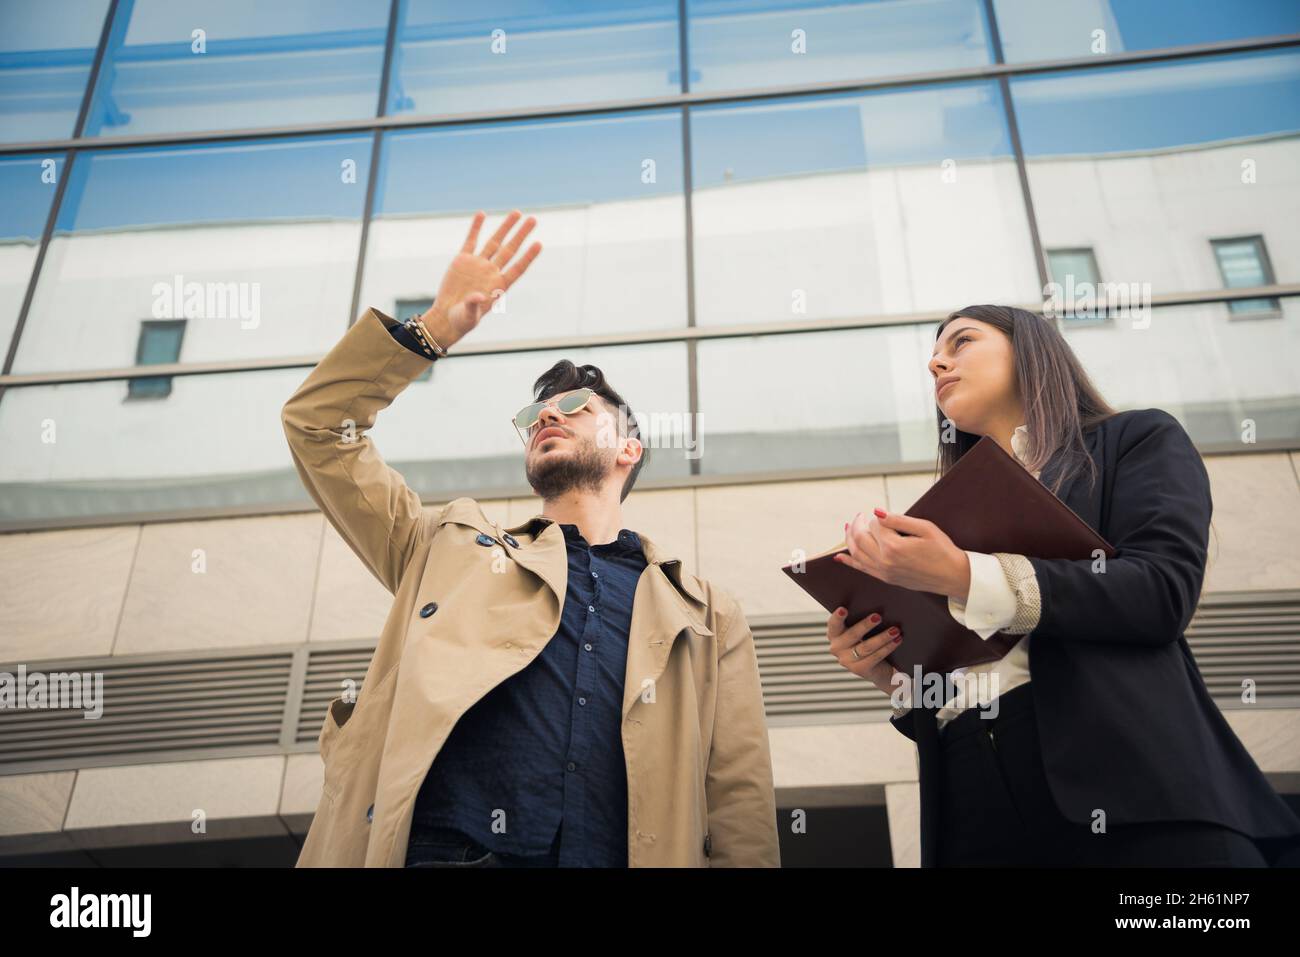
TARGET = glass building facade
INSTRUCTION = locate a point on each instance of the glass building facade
(754, 215)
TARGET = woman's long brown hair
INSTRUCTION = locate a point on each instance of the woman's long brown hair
(1059, 399)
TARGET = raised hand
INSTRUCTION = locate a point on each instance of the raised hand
(475, 279)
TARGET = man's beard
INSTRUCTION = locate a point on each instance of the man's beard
(585, 469)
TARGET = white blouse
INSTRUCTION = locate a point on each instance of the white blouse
(1003, 597)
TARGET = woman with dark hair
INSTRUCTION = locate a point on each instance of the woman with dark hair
(1114, 754)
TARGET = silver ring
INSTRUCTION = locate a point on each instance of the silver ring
(856, 656)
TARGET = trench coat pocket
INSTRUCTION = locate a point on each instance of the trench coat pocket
(336, 716)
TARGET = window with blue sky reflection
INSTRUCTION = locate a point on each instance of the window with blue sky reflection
(1145, 163)
(280, 218)
(1050, 29)
(735, 44)
(495, 55)
(46, 51)
(856, 204)
(799, 207)
(606, 189)
(27, 184)
(174, 65)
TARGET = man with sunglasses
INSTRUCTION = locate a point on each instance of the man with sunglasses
(556, 693)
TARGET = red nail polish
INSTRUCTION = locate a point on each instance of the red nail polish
(880, 513)
(895, 631)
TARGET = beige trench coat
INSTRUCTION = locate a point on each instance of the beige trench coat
(699, 773)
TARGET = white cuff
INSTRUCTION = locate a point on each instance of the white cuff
(991, 604)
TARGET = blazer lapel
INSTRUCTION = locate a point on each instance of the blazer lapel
(1074, 490)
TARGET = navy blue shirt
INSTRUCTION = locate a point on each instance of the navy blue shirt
(543, 751)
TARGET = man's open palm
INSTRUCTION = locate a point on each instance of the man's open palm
(474, 279)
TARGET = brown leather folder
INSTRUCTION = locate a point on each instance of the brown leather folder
(987, 502)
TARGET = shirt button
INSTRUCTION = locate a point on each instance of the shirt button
(587, 646)
(485, 539)
(510, 540)
(370, 814)
(571, 766)
(428, 609)
(591, 608)
(594, 575)
(582, 701)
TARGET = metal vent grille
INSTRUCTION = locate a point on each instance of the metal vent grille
(153, 706)
(260, 701)
(1248, 636)
(327, 669)
(1234, 636)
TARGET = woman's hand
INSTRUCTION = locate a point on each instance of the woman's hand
(869, 662)
(474, 280)
(906, 551)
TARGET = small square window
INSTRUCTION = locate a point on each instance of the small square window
(1074, 270)
(1243, 262)
(406, 308)
(159, 343)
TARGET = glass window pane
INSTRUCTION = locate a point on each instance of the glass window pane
(1241, 262)
(494, 55)
(27, 184)
(607, 194)
(456, 432)
(180, 65)
(1143, 163)
(853, 204)
(160, 342)
(86, 449)
(752, 43)
(1050, 29)
(1219, 377)
(1244, 263)
(1078, 264)
(46, 50)
(792, 410)
(254, 242)
(82, 449)
(1075, 272)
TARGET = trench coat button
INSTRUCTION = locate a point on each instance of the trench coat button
(511, 540)
(485, 540)
(428, 610)
(370, 814)
(708, 845)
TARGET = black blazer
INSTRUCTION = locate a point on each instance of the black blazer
(1125, 720)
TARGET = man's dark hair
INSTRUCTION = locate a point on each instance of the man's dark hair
(564, 376)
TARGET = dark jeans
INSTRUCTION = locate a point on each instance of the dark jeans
(996, 807)
(443, 847)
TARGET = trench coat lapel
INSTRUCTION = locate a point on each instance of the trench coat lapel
(542, 551)
(666, 603)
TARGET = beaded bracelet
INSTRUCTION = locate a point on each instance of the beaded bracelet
(426, 341)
